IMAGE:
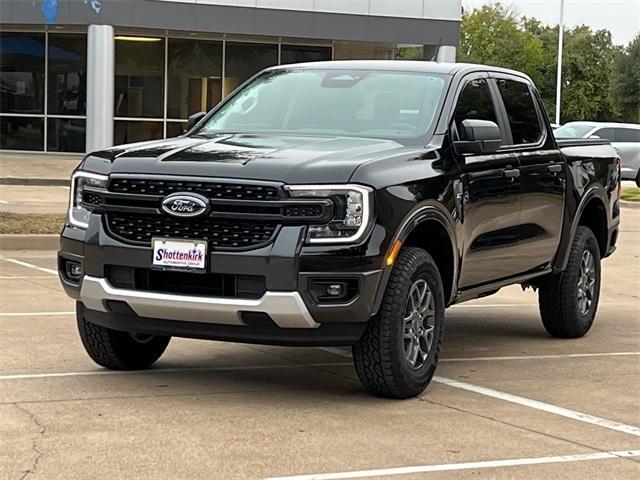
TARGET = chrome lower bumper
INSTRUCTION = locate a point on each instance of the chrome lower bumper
(287, 309)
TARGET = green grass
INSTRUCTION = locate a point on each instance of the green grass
(31, 223)
(631, 194)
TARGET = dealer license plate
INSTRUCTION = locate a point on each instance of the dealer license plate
(179, 254)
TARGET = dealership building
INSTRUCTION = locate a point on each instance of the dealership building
(77, 75)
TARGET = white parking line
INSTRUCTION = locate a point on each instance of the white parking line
(539, 357)
(29, 376)
(448, 467)
(494, 305)
(30, 265)
(22, 277)
(542, 406)
(545, 407)
(346, 354)
(34, 314)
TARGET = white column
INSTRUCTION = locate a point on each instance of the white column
(100, 87)
(446, 54)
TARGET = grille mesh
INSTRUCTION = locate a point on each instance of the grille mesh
(229, 191)
(90, 198)
(140, 229)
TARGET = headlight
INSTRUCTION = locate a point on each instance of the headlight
(78, 215)
(352, 211)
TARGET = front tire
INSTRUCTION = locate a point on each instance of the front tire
(118, 350)
(568, 301)
(398, 354)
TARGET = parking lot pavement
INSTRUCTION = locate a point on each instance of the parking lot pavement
(508, 400)
(33, 199)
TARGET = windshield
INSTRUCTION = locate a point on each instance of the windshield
(572, 130)
(355, 103)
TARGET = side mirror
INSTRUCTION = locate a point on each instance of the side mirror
(479, 137)
(194, 119)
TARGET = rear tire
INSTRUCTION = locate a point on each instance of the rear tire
(568, 301)
(638, 179)
(118, 350)
(398, 354)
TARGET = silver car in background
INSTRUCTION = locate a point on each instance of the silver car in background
(625, 138)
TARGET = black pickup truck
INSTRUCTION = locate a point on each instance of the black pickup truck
(340, 203)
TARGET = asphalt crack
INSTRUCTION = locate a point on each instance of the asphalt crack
(34, 443)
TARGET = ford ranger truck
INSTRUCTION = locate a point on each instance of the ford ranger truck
(340, 203)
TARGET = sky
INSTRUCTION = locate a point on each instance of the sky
(620, 17)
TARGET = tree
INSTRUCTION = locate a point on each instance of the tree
(493, 35)
(625, 84)
(586, 73)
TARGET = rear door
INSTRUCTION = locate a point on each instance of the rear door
(490, 196)
(542, 170)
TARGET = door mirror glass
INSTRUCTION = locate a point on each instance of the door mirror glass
(478, 137)
(194, 119)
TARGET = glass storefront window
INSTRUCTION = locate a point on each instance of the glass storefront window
(67, 72)
(301, 53)
(195, 76)
(21, 133)
(243, 60)
(139, 77)
(175, 129)
(22, 58)
(66, 134)
(126, 131)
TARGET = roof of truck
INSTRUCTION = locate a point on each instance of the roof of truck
(402, 66)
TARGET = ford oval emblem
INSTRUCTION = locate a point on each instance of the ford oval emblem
(185, 204)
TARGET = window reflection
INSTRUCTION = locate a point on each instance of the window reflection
(139, 77)
(246, 59)
(132, 131)
(67, 72)
(22, 72)
(66, 134)
(175, 129)
(301, 53)
(195, 76)
(21, 133)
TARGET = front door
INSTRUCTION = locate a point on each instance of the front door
(542, 174)
(489, 198)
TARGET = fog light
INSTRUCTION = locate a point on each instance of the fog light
(73, 270)
(335, 290)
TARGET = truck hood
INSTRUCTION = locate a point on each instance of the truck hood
(288, 159)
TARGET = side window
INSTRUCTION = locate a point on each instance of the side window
(628, 135)
(521, 111)
(475, 103)
(606, 134)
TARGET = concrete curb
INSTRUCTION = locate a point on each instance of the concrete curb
(625, 204)
(39, 182)
(29, 242)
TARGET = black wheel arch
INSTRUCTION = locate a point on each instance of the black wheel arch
(425, 216)
(591, 212)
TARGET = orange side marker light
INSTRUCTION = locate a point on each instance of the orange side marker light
(394, 253)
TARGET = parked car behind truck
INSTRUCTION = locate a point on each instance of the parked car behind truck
(625, 138)
(340, 203)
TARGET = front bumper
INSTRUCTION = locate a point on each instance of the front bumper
(286, 309)
(287, 313)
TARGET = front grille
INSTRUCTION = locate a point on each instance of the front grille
(223, 190)
(187, 283)
(92, 199)
(302, 211)
(220, 234)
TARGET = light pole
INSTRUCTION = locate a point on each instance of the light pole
(559, 77)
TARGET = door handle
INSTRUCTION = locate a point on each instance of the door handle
(554, 168)
(511, 172)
